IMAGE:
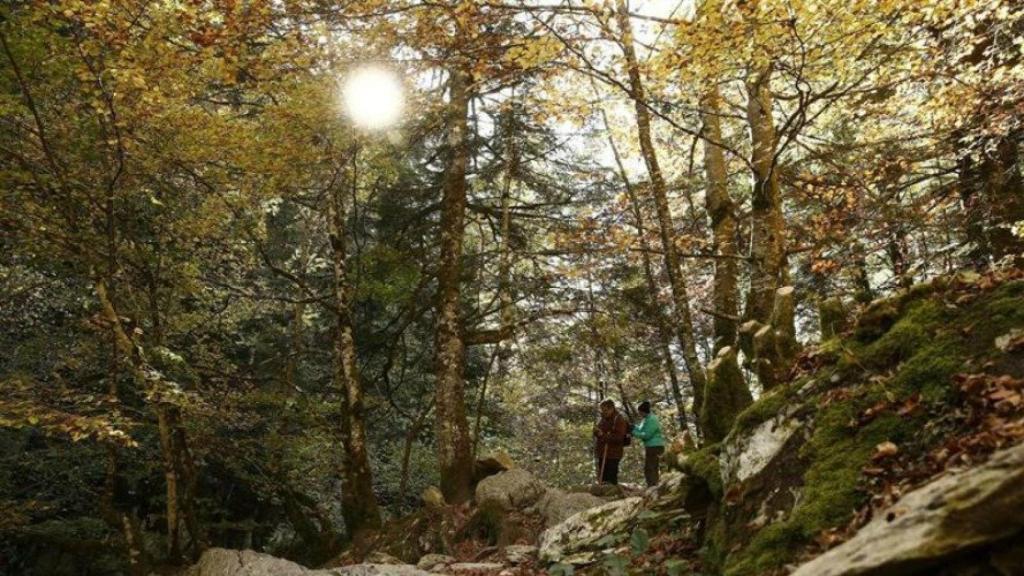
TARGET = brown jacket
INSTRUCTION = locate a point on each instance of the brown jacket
(611, 432)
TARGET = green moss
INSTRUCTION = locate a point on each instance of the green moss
(909, 344)
(994, 314)
(877, 318)
(772, 549)
(913, 330)
(715, 547)
(929, 371)
(767, 406)
(838, 452)
(703, 464)
(725, 396)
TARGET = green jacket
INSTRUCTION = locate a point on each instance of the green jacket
(649, 431)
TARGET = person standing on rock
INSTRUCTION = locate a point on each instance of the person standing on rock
(649, 432)
(610, 437)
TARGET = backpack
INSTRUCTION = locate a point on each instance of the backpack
(628, 438)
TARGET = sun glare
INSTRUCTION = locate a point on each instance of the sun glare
(372, 98)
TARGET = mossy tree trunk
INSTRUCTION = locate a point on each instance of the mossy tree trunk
(768, 262)
(767, 227)
(359, 504)
(727, 396)
(118, 513)
(722, 212)
(454, 450)
(832, 317)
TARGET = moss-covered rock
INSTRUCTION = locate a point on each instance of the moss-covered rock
(725, 396)
(962, 511)
(824, 428)
(580, 538)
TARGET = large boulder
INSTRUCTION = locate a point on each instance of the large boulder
(557, 505)
(519, 553)
(435, 562)
(492, 464)
(475, 568)
(746, 453)
(224, 562)
(581, 537)
(958, 512)
(669, 494)
(514, 489)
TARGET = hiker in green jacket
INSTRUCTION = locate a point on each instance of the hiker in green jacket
(649, 432)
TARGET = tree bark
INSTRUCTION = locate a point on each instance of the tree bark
(722, 212)
(727, 395)
(359, 504)
(118, 514)
(454, 452)
(680, 296)
(767, 229)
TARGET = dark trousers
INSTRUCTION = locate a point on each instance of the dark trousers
(611, 470)
(652, 454)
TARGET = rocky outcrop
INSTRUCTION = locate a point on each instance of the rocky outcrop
(514, 489)
(557, 505)
(492, 464)
(594, 531)
(435, 562)
(223, 562)
(953, 514)
(582, 536)
(746, 453)
(475, 568)
(519, 554)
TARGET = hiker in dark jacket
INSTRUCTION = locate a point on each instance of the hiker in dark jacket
(610, 437)
(649, 432)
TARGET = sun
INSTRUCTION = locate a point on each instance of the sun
(373, 98)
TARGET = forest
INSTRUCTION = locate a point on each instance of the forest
(341, 284)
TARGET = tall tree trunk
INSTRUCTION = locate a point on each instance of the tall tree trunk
(454, 452)
(179, 466)
(774, 324)
(114, 504)
(359, 504)
(722, 211)
(680, 295)
(661, 322)
(410, 437)
(727, 391)
(768, 229)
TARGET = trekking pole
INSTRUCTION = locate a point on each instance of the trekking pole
(604, 458)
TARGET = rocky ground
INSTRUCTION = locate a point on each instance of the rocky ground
(894, 449)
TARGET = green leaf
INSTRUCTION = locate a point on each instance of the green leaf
(615, 565)
(560, 569)
(676, 567)
(609, 540)
(639, 541)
